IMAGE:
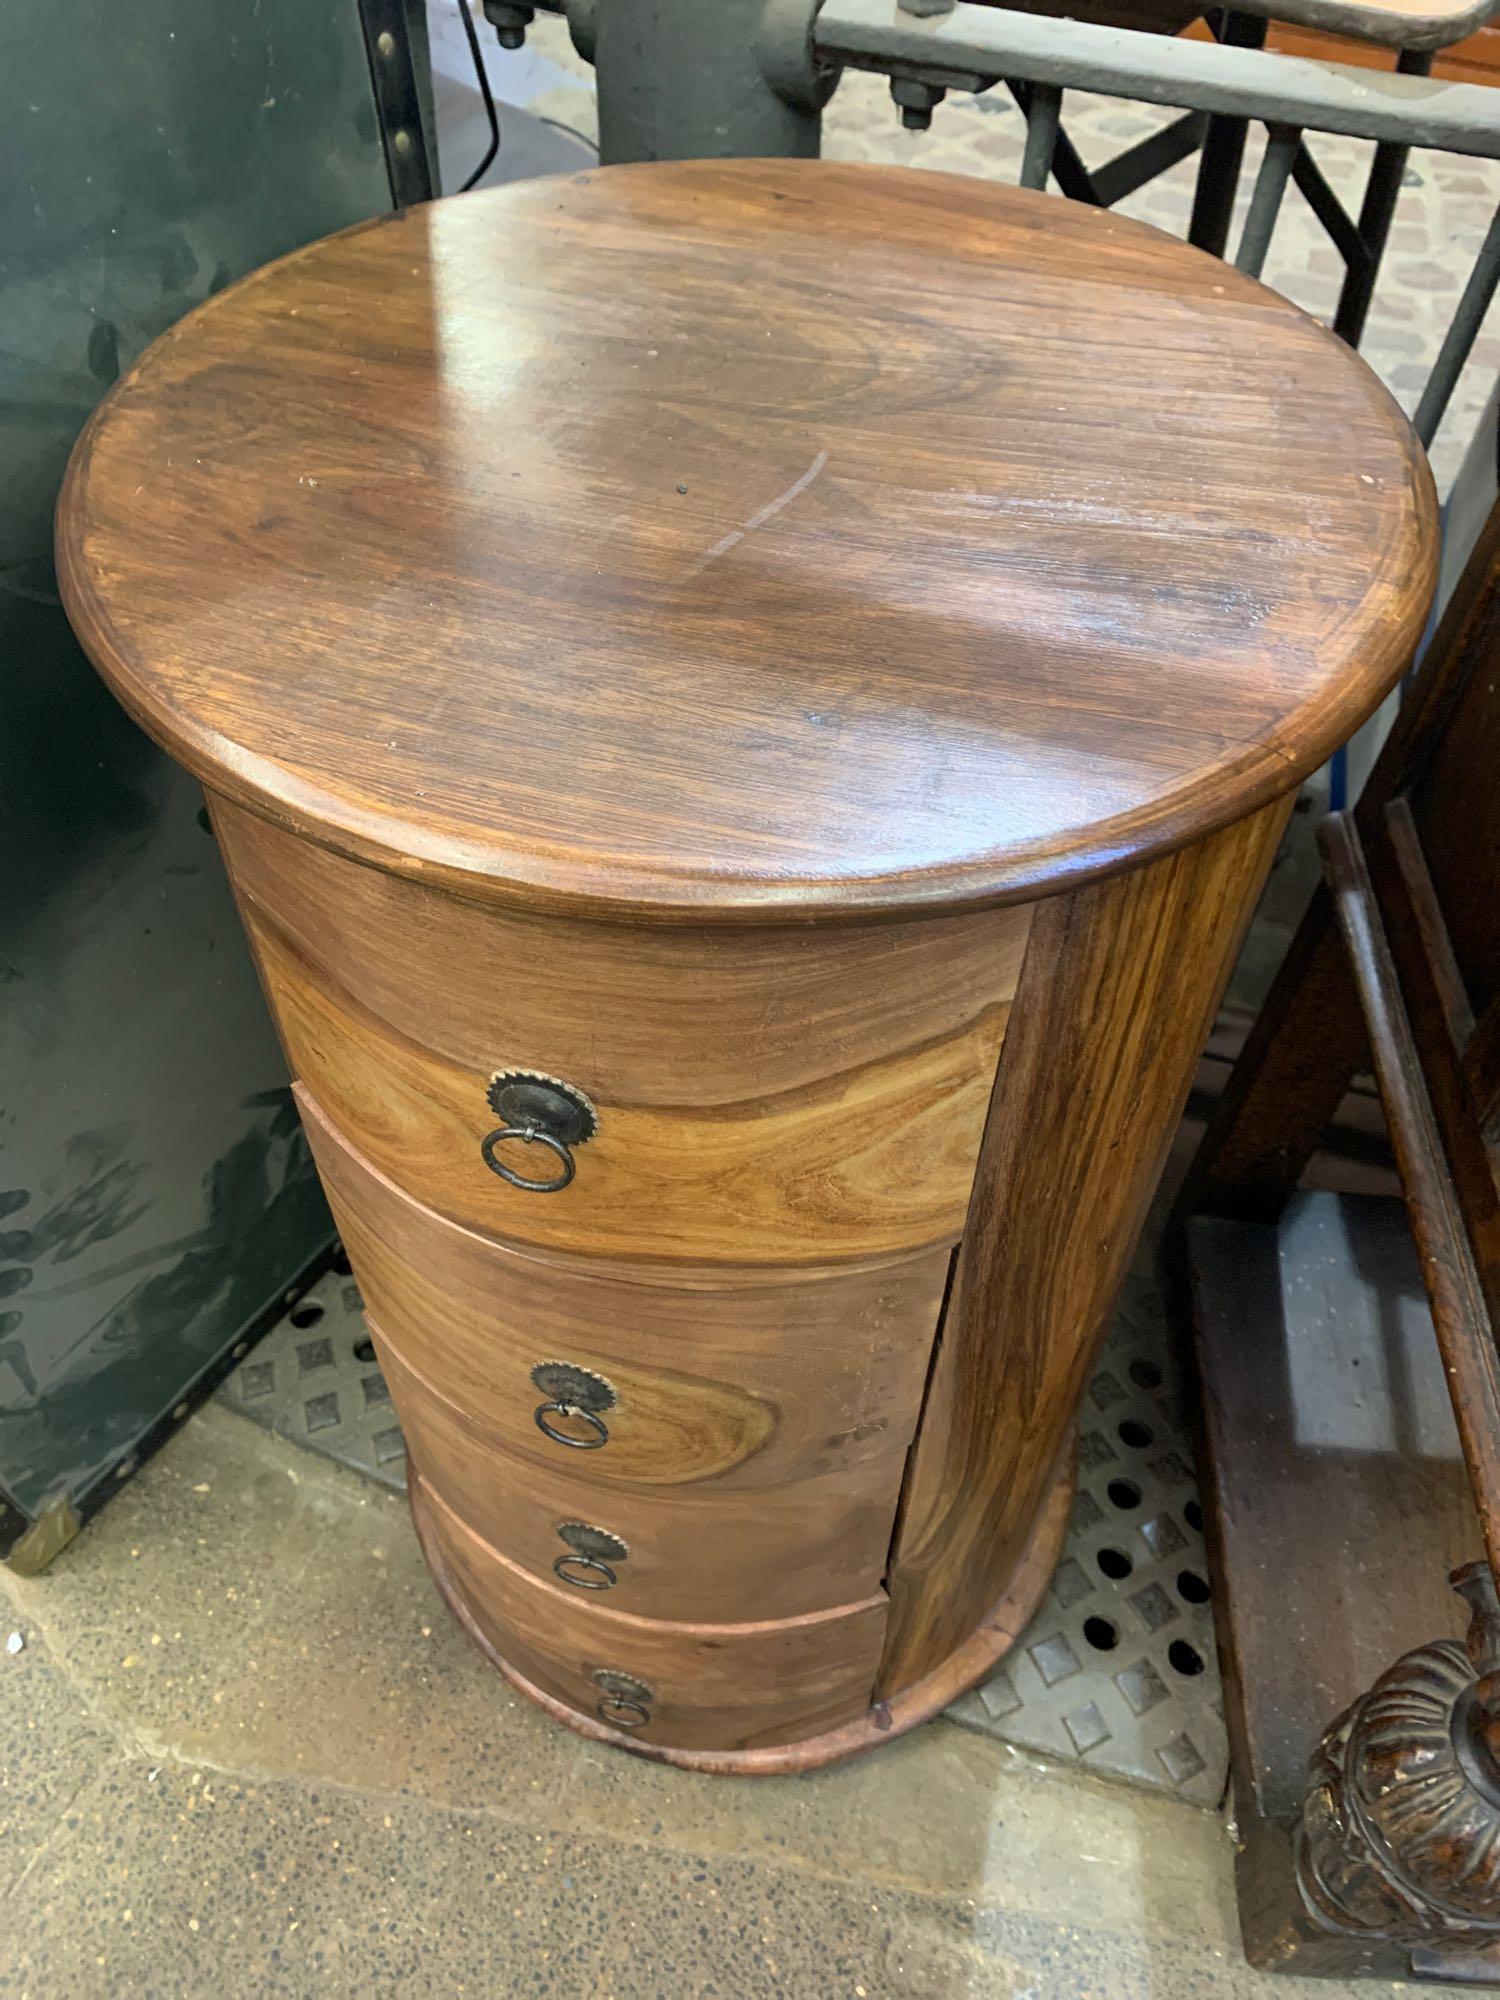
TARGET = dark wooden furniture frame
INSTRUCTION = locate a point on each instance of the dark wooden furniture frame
(1387, 1865)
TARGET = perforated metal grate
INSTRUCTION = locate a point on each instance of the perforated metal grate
(315, 1379)
(1118, 1670)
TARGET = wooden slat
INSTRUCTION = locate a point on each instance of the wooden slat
(1436, 1004)
(1460, 1317)
(1481, 1067)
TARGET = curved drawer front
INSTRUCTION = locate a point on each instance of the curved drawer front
(744, 1386)
(698, 1553)
(776, 1098)
(665, 1017)
(690, 1686)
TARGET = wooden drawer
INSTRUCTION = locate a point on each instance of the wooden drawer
(741, 1385)
(767, 1097)
(656, 1552)
(693, 1686)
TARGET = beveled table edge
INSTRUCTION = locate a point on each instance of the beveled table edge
(536, 881)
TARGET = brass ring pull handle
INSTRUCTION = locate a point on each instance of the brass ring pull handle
(527, 1134)
(621, 1712)
(600, 1576)
(624, 1701)
(576, 1393)
(597, 1424)
(537, 1109)
(591, 1550)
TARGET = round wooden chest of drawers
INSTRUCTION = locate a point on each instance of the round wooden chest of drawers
(746, 706)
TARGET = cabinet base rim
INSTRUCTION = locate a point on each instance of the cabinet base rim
(978, 1656)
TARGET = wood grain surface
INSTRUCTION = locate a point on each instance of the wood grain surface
(1116, 1000)
(726, 540)
(880, 1723)
(872, 1162)
(666, 1016)
(742, 1385)
(705, 1551)
(710, 1686)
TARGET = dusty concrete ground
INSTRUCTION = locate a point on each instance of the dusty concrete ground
(244, 1751)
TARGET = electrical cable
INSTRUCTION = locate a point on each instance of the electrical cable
(572, 131)
(482, 77)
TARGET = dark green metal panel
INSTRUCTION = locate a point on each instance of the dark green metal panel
(156, 1198)
(705, 79)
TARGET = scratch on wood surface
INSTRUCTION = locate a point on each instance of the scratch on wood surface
(756, 520)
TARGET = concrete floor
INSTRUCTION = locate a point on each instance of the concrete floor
(243, 1751)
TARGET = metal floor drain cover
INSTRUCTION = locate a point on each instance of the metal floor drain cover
(315, 1379)
(1118, 1670)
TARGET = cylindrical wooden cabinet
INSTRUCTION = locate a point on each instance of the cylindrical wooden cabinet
(746, 706)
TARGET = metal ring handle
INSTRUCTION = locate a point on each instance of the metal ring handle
(527, 1134)
(602, 1570)
(597, 1424)
(622, 1713)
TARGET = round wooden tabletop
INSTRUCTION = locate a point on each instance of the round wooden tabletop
(749, 540)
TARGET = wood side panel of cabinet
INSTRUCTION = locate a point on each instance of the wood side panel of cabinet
(1116, 999)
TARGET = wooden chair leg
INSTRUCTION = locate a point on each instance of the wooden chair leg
(1400, 1835)
(1299, 1059)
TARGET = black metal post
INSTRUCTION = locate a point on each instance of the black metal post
(691, 79)
(1379, 205)
(1223, 146)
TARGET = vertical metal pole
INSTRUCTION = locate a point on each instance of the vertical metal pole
(1043, 111)
(1379, 204)
(1265, 203)
(1459, 338)
(1223, 147)
(684, 79)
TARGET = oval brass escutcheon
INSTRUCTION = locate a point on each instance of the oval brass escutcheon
(593, 1552)
(576, 1395)
(624, 1702)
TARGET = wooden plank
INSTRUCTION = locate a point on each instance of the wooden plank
(1439, 1217)
(1336, 1505)
(1299, 1057)
(1474, 58)
(1481, 1068)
